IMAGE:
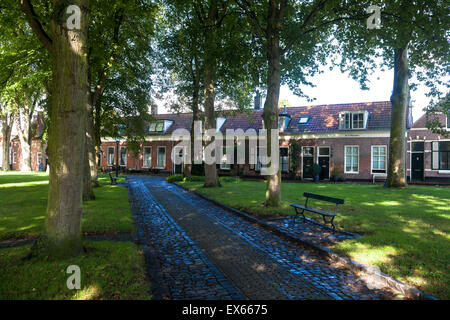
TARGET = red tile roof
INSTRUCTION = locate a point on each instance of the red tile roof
(323, 118)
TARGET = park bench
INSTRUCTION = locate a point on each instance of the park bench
(379, 175)
(300, 209)
(113, 179)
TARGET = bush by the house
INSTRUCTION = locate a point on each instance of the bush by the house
(174, 178)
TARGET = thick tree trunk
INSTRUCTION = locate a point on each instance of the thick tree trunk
(399, 99)
(270, 113)
(6, 137)
(67, 136)
(211, 177)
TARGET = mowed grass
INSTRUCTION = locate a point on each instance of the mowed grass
(23, 202)
(405, 232)
(109, 270)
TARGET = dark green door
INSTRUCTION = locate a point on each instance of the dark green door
(417, 166)
(324, 163)
(307, 167)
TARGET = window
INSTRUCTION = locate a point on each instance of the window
(156, 127)
(262, 157)
(110, 156)
(303, 120)
(14, 157)
(353, 120)
(351, 159)
(123, 156)
(308, 151)
(147, 157)
(223, 164)
(417, 146)
(284, 159)
(253, 157)
(440, 155)
(448, 122)
(378, 159)
(161, 159)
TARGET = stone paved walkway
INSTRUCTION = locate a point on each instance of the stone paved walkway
(259, 263)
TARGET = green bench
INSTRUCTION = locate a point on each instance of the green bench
(300, 209)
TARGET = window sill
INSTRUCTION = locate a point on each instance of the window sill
(444, 171)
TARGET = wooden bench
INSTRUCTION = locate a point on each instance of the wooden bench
(113, 179)
(300, 209)
(379, 175)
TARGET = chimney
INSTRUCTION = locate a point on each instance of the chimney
(154, 109)
(258, 101)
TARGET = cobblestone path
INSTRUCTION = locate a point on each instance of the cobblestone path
(259, 263)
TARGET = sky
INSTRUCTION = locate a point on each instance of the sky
(334, 87)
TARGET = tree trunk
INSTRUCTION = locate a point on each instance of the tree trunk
(67, 136)
(399, 99)
(270, 113)
(23, 121)
(6, 137)
(211, 177)
(89, 157)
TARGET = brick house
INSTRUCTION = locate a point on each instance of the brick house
(428, 154)
(38, 155)
(354, 138)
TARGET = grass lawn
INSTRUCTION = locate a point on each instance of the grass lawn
(23, 201)
(405, 232)
(109, 270)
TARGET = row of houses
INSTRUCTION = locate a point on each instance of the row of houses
(353, 138)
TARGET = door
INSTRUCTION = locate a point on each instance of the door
(417, 166)
(324, 163)
(178, 168)
(308, 161)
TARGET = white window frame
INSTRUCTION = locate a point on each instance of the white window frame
(14, 157)
(385, 158)
(39, 155)
(345, 159)
(157, 157)
(352, 113)
(143, 157)
(114, 156)
(120, 157)
(223, 164)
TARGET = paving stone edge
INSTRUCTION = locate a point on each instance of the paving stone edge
(377, 277)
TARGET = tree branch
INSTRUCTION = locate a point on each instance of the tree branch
(36, 25)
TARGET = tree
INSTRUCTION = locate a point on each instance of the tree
(412, 39)
(67, 133)
(24, 72)
(293, 36)
(120, 67)
(181, 55)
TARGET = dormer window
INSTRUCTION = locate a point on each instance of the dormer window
(283, 120)
(219, 123)
(353, 120)
(160, 126)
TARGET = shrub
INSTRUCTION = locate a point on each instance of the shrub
(174, 177)
(335, 172)
(316, 169)
(194, 178)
